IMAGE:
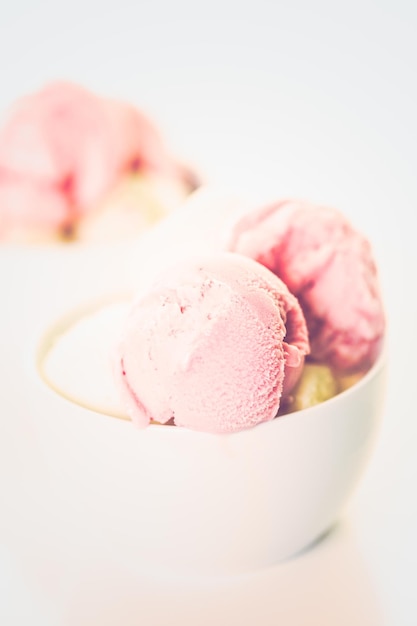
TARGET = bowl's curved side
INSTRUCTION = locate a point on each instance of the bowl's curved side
(323, 452)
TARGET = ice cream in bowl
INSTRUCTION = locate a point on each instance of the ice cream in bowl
(218, 421)
(82, 176)
(77, 166)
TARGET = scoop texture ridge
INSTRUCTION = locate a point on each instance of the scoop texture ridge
(210, 345)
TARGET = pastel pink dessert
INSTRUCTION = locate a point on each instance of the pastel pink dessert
(213, 346)
(62, 149)
(329, 267)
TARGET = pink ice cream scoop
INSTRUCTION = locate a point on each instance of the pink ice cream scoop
(329, 266)
(212, 346)
(63, 148)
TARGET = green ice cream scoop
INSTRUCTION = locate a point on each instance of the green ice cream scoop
(317, 384)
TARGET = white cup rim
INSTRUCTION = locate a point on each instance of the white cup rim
(47, 338)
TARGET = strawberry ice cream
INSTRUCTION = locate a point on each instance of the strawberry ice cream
(212, 346)
(63, 149)
(329, 267)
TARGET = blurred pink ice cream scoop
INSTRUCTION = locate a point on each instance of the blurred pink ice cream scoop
(213, 346)
(62, 149)
(329, 266)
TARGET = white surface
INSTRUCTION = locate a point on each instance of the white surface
(313, 99)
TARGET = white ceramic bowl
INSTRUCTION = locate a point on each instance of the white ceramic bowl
(170, 500)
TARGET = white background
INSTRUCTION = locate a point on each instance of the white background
(313, 99)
